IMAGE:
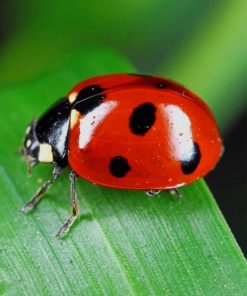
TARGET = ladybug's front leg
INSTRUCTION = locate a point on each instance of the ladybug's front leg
(75, 207)
(36, 198)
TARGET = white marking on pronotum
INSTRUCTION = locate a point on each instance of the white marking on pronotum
(45, 153)
(91, 121)
(180, 134)
(74, 116)
(72, 97)
(61, 136)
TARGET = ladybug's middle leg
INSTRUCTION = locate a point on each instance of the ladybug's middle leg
(175, 192)
(74, 204)
(152, 192)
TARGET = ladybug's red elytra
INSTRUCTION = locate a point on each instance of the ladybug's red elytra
(125, 131)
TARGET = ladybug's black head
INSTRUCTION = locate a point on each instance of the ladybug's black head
(30, 149)
(46, 139)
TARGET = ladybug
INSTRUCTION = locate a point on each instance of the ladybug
(124, 131)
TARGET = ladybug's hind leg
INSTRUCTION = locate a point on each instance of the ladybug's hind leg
(152, 192)
(175, 192)
(75, 207)
(36, 198)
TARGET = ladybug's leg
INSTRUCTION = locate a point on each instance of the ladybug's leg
(152, 192)
(75, 207)
(36, 198)
(175, 192)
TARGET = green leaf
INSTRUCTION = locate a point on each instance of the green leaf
(124, 243)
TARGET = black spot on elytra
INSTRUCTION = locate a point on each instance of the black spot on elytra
(142, 118)
(189, 166)
(88, 98)
(119, 166)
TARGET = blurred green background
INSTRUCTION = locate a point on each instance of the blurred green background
(202, 44)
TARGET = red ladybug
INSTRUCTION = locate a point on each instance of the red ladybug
(125, 131)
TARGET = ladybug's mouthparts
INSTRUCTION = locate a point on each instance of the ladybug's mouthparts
(31, 162)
